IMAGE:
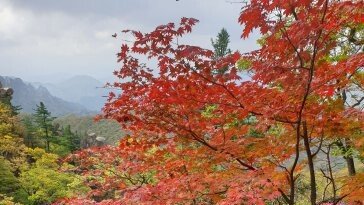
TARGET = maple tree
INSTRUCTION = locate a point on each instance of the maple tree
(200, 136)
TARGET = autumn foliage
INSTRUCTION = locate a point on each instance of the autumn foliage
(199, 136)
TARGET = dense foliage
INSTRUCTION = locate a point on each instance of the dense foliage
(30, 175)
(279, 125)
(81, 125)
(200, 136)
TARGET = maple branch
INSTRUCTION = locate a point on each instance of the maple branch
(295, 49)
(306, 143)
(357, 102)
(279, 165)
(333, 201)
(340, 199)
(237, 2)
(202, 141)
(359, 85)
(326, 187)
(214, 193)
(293, 10)
(315, 46)
(319, 146)
(335, 77)
(291, 174)
(291, 43)
(238, 101)
(352, 39)
(206, 102)
(219, 84)
(328, 184)
(125, 177)
(223, 133)
(284, 120)
(285, 197)
(128, 41)
(275, 118)
(313, 194)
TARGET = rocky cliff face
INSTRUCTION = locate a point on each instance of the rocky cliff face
(6, 94)
(27, 96)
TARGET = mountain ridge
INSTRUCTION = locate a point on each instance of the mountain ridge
(27, 97)
(81, 89)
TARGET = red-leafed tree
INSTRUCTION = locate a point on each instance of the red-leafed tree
(200, 136)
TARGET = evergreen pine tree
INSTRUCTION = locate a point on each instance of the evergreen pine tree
(73, 139)
(221, 47)
(44, 121)
(221, 44)
(30, 129)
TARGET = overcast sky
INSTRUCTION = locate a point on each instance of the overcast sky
(48, 40)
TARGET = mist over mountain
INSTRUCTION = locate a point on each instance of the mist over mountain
(81, 89)
(28, 96)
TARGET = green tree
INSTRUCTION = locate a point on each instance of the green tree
(44, 183)
(65, 142)
(8, 182)
(221, 44)
(73, 140)
(43, 120)
(11, 145)
(30, 138)
(221, 49)
(5, 200)
(12, 155)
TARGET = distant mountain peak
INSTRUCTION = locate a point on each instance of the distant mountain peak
(81, 89)
(28, 96)
(82, 78)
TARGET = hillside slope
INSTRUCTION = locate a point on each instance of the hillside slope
(27, 96)
(108, 129)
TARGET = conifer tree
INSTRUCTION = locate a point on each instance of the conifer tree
(44, 121)
(73, 140)
(221, 47)
(30, 129)
(221, 44)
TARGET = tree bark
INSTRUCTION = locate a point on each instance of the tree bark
(313, 195)
(351, 165)
(344, 146)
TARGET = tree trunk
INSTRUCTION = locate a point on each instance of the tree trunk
(313, 195)
(350, 164)
(344, 146)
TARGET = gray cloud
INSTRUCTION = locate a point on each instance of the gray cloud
(43, 38)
